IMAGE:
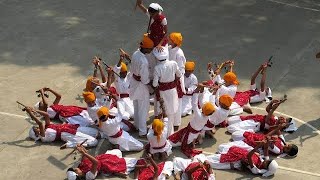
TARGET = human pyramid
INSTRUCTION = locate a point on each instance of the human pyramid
(159, 69)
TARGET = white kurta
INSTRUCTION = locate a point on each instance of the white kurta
(83, 119)
(217, 117)
(93, 113)
(124, 105)
(72, 140)
(176, 54)
(190, 85)
(125, 141)
(163, 140)
(236, 124)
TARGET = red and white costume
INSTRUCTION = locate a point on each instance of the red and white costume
(139, 91)
(157, 28)
(164, 168)
(183, 165)
(216, 118)
(163, 145)
(190, 84)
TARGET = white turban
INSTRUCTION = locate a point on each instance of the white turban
(156, 6)
(292, 126)
(32, 134)
(161, 55)
(71, 175)
(272, 168)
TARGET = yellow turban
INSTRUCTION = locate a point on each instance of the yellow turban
(189, 66)
(231, 77)
(226, 100)
(103, 111)
(208, 109)
(88, 96)
(176, 38)
(89, 83)
(123, 67)
(157, 127)
(146, 42)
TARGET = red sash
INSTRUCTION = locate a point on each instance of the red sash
(129, 124)
(67, 111)
(157, 30)
(189, 94)
(198, 174)
(209, 124)
(118, 134)
(60, 128)
(179, 89)
(124, 95)
(148, 172)
(164, 87)
(160, 146)
(137, 78)
(182, 136)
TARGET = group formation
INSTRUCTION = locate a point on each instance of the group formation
(119, 104)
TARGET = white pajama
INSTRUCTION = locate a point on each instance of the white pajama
(83, 119)
(215, 163)
(236, 124)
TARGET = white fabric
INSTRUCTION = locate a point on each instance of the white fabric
(259, 97)
(177, 115)
(244, 126)
(165, 72)
(292, 126)
(190, 85)
(215, 163)
(93, 112)
(37, 105)
(218, 116)
(125, 141)
(139, 66)
(91, 176)
(72, 140)
(176, 54)
(141, 108)
(49, 135)
(229, 90)
(163, 140)
(233, 119)
(125, 107)
(235, 109)
(156, 6)
(224, 147)
(167, 170)
(32, 135)
(161, 55)
(71, 175)
(272, 168)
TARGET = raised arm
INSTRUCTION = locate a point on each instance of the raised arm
(57, 95)
(44, 99)
(141, 6)
(93, 160)
(274, 106)
(45, 115)
(30, 111)
(156, 169)
(250, 154)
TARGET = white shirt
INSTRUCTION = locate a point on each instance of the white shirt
(190, 83)
(111, 126)
(49, 135)
(93, 112)
(122, 84)
(198, 120)
(139, 67)
(163, 138)
(230, 90)
(219, 115)
(165, 71)
(176, 54)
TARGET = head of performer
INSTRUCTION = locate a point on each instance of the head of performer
(282, 120)
(146, 45)
(74, 174)
(161, 55)
(225, 101)
(41, 106)
(89, 98)
(230, 78)
(92, 83)
(157, 127)
(34, 133)
(189, 68)
(290, 149)
(208, 109)
(154, 9)
(271, 166)
(175, 39)
(103, 114)
(123, 70)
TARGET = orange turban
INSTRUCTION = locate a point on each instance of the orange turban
(146, 42)
(176, 38)
(123, 67)
(208, 109)
(226, 100)
(231, 77)
(88, 96)
(89, 83)
(157, 127)
(189, 66)
(103, 111)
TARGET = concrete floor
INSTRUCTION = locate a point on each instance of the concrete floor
(51, 43)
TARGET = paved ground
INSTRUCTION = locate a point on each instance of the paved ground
(50, 43)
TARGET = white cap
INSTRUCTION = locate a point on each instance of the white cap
(292, 126)
(32, 135)
(272, 168)
(71, 175)
(156, 6)
(161, 55)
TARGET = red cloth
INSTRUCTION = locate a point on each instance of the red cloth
(251, 137)
(67, 111)
(164, 87)
(179, 89)
(209, 124)
(107, 163)
(200, 173)
(182, 136)
(157, 30)
(124, 95)
(260, 118)
(148, 172)
(242, 98)
(60, 128)
(118, 134)
(129, 124)
(279, 144)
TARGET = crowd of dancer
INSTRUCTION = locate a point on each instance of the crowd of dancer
(158, 73)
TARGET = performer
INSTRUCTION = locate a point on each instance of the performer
(176, 54)
(196, 168)
(190, 82)
(186, 137)
(164, 80)
(111, 127)
(72, 134)
(109, 163)
(157, 27)
(67, 114)
(138, 88)
(122, 83)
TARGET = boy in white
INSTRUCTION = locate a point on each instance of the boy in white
(164, 80)
(111, 127)
(190, 83)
